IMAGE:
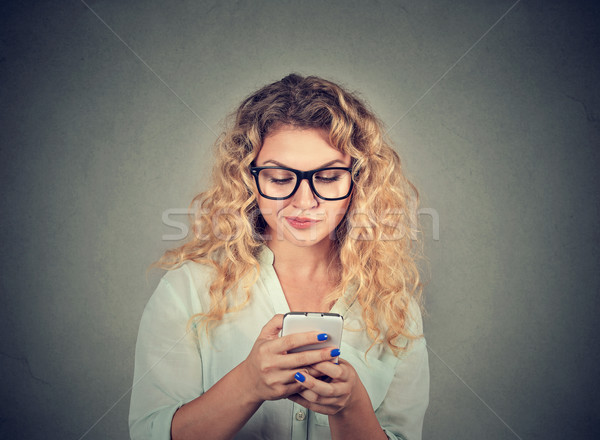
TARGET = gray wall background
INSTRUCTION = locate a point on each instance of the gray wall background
(504, 147)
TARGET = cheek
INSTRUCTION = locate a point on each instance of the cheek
(342, 209)
(336, 214)
(269, 208)
(263, 207)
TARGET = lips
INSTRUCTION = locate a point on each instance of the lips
(301, 222)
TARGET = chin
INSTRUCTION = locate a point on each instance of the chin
(303, 239)
(306, 243)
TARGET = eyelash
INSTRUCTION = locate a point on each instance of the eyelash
(281, 181)
(329, 179)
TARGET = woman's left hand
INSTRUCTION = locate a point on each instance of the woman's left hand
(327, 396)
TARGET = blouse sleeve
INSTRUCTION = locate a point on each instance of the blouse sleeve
(168, 367)
(402, 411)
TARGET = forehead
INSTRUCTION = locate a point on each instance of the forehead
(301, 148)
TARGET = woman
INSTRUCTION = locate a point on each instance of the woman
(308, 211)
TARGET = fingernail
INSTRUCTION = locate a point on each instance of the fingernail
(335, 352)
(322, 337)
(299, 377)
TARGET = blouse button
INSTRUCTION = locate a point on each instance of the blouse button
(300, 415)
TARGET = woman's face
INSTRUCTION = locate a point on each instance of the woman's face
(303, 219)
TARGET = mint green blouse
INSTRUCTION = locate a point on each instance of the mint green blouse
(173, 367)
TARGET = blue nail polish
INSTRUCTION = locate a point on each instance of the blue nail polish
(299, 377)
(322, 337)
(335, 352)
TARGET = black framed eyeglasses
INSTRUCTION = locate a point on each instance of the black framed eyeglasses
(280, 183)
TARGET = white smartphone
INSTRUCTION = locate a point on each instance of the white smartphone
(302, 322)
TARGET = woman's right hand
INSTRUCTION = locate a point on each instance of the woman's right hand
(269, 369)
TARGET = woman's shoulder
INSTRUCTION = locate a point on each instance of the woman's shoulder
(414, 318)
(185, 286)
(360, 339)
(189, 272)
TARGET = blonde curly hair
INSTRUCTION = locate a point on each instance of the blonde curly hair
(376, 242)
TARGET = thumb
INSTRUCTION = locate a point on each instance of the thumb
(272, 328)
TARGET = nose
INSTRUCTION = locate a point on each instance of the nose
(304, 198)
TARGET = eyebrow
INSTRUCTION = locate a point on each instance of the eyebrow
(325, 165)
